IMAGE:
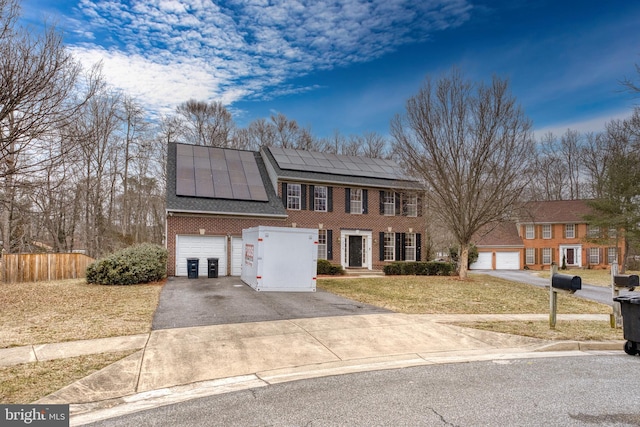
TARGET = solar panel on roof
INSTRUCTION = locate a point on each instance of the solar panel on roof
(313, 161)
(218, 173)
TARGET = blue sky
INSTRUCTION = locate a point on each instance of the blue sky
(350, 65)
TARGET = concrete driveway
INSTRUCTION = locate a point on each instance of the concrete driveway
(203, 302)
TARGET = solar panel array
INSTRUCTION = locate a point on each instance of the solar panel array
(313, 161)
(218, 173)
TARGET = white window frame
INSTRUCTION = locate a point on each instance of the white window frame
(294, 197)
(593, 231)
(389, 246)
(530, 256)
(322, 244)
(356, 201)
(546, 256)
(411, 205)
(612, 255)
(546, 231)
(594, 255)
(570, 231)
(529, 231)
(410, 247)
(320, 198)
(389, 203)
(613, 233)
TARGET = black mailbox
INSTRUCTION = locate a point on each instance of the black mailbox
(624, 281)
(566, 282)
(192, 268)
(213, 267)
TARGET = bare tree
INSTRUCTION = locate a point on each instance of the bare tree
(471, 144)
(206, 123)
(39, 88)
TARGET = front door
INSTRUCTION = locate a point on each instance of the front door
(571, 259)
(355, 251)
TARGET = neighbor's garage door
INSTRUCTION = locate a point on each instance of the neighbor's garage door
(236, 256)
(507, 260)
(201, 247)
(483, 262)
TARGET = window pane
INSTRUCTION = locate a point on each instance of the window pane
(356, 201)
(594, 256)
(529, 234)
(612, 255)
(389, 246)
(410, 247)
(546, 255)
(531, 256)
(322, 244)
(389, 203)
(569, 231)
(294, 193)
(320, 199)
(412, 205)
(546, 231)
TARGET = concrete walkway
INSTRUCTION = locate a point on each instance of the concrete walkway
(174, 365)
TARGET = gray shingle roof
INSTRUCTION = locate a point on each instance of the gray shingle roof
(272, 207)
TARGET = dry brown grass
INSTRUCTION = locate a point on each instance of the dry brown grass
(584, 330)
(31, 381)
(45, 312)
(480, 294)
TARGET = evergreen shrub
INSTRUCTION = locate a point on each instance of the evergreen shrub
(137, 264)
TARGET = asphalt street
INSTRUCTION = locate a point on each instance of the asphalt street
(568, 391)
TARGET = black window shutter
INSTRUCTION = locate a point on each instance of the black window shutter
(347, 200)
(396, 196)
(329, 199)
(312, 195)
(381, 243)
(303, 197)
(365, 202)
(418, 247)
(329, 244)
(398, 239)
(381, 202)
(284, 194)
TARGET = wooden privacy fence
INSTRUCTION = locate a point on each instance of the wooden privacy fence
(18, 268)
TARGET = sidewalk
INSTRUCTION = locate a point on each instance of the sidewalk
(173, 365)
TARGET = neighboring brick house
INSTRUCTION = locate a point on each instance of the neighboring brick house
(366, 214)
(548, 232)
(556, 231)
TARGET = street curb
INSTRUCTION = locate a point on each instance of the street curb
(581, 346)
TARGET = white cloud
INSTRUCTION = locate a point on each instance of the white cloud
(168, 50)
(594, 124)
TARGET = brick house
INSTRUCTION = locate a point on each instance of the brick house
(549, 232)
(366, 213)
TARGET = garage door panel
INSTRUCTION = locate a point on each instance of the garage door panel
(483, 262)
(507, 260)
(236, 256)
(201, 247)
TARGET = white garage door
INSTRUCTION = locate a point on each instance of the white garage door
(483, 262)
(507, 260)
(201, 247)
(236, 256)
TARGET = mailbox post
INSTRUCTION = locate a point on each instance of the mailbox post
(560, 283)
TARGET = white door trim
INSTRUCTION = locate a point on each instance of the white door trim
(367, 239)
(577, 255)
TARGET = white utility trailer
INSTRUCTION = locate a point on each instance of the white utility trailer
(280, 258)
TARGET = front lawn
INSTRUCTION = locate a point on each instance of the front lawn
(66, 310)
